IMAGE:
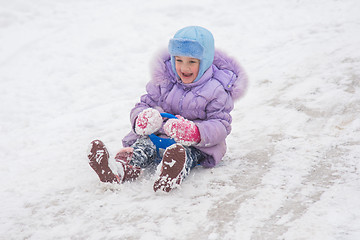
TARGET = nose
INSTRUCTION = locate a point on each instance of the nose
(186, 68)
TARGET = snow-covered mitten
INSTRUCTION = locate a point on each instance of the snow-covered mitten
(183, 131)
(148, 122)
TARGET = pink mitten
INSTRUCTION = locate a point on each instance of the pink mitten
(148, 122)
(183, 131)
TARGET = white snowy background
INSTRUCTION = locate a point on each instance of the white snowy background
(71, 70)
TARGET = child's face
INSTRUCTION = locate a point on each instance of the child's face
(187, 68)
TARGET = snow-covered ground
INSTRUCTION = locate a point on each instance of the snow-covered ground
(71, 70)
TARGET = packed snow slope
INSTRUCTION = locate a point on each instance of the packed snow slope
(70, 71)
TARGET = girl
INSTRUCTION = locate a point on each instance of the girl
(197, 84)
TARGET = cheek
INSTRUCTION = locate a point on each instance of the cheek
(176, 66)
(178, 69)
(195, 69)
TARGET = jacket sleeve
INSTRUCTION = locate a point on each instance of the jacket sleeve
(217, 125)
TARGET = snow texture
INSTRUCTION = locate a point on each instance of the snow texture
(70, 71)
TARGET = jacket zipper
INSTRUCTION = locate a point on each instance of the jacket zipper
(182, 99)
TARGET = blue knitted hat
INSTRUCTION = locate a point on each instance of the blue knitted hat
(196, 42)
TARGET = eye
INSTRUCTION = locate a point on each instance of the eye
(178, 60)
(192, 61)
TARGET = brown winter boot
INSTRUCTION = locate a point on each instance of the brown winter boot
(123, 157)
(98, 160)
(172, 169)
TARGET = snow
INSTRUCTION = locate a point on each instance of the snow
(70, 71)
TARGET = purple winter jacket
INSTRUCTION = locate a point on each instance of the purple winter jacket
(207, 102)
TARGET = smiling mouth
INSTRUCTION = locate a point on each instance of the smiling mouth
(187, 74)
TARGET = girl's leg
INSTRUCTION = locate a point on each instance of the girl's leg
(131, 160)
(177, 161)
(144, 153)
(128, 161)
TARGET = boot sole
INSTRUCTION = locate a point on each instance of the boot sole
(98, 160)
(173, 165)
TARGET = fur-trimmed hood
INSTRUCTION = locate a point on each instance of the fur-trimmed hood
(225, 69)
